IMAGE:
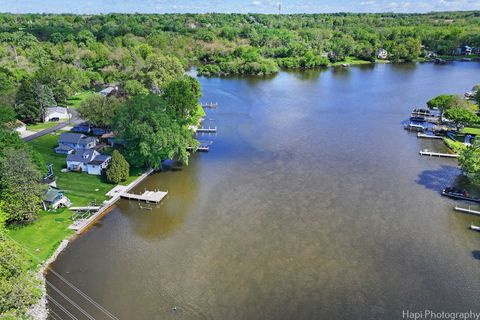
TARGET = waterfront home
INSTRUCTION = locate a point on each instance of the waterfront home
(87, 160)
(56, 114)
(69, 142)
(55, 198)
(382, 54)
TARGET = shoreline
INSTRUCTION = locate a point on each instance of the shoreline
(40, 311)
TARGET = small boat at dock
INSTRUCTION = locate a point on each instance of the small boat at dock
(414, 127)
(416, 118)
(459, 194)
(421, 112)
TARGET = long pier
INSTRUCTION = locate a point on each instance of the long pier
(81, 226)
(467, 210)
(210, 105)
(147, 196)
(438, 154)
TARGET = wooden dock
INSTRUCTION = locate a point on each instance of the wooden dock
(90, 208)
(428, 136)
(467, 210)
(206, 130)
(210, 105)
(438, 154)
(147, 196)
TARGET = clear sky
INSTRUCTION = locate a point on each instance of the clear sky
(258, 6)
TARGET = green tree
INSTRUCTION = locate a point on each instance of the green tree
(442, 102)
(469, 161)
(461, 116)
(150, 134)
(182, 96)
(20, 189)
(159, 70)
(118, 170)
(134, 88)
(99, 110)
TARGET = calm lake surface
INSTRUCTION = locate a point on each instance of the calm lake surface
(313, 203)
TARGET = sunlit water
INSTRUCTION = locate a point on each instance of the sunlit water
(313, 203)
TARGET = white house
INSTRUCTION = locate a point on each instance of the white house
(382, 54)
(88, 160)
(56, 113)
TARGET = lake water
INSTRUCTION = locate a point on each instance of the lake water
(313, 203)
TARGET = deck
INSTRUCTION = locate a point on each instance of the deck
(147, 196)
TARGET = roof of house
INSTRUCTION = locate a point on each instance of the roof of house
(64, 147)
(107, 90)
(51, 194)
(86, 141)
(82, 155)
(51, 110)
(99, 159)
(68, 137)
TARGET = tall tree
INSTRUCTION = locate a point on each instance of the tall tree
(150, 134)
(99, 110)
(469, 161)
(20, 189)
(182, 96)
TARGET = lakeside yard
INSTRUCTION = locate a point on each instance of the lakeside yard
(42, 126)
(43, 236)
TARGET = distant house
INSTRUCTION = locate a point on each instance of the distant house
(463, 51)
(55, 114)
(108, 91)
(69, 142)
(382, 54)
(55, 198)
(87, 160)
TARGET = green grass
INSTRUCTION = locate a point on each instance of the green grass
(76, 100)
(43, 236)
(351, 61)
(456, 146)
(470, 130)
(41, 126)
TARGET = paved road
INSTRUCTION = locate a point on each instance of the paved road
(73, 121)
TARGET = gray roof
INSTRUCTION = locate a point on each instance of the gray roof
(68, 137)
(88, 156)
(83, 155)
(99, 159)
(107, 90)
(86, 140)
(64, 147)
(51, 194)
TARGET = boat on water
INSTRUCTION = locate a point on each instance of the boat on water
(460, 194)
(414, 127)
(345, 65)
(416, 118)
(421, 112)
(474, 228)
(439, 61)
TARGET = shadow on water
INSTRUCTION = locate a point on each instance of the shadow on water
(307, 75)
(438, 179)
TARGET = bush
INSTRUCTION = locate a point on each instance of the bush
(118, 169)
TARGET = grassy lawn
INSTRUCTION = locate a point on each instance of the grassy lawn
(42, 237)
(454, 145)
(74, 101)
(82, 189)
(351, 61)
(41, 126)
(470, 130)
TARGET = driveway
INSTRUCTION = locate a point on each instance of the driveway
(73, 121)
